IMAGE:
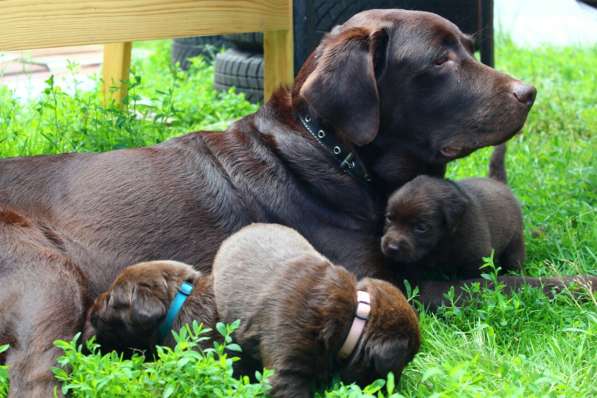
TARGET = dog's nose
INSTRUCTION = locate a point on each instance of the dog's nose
(524, 93)
(392, 248)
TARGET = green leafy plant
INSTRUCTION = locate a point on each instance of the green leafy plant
(185, 370)
(3, 374)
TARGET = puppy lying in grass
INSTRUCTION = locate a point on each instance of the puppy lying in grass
(300, 315)
(434, 224)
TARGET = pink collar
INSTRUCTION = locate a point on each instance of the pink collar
(358, 324)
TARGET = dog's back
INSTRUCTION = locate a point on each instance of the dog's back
(496, 204)
(251, 265)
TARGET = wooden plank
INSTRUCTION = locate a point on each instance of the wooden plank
(117, 63)
(26, 24)
(278, 55)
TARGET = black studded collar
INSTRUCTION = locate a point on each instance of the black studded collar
(348, 161)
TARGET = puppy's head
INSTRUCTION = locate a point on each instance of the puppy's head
(127, 316)
(391, 337)
(420, 214)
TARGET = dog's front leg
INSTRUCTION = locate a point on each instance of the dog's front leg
(38, 307)
(289, 384)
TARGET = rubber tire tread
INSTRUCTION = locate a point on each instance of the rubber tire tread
(252, 42)
(240, 69)
(188, 47)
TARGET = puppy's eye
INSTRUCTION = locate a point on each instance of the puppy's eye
(420, 228)
(388, 218)
(439, 61)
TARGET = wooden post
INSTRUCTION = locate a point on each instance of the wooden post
(117, 63)
(278, 55)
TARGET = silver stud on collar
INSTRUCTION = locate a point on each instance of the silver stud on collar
(321, 134)
(337, 150)
(308, 119)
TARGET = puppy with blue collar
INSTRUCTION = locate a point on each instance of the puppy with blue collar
(300, 315)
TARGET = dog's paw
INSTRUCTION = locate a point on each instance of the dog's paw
(128, 315)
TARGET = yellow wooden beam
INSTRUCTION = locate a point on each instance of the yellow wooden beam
(278, 55)
(27, 24)
(116, 68)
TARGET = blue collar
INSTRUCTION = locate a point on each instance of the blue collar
(184, 291)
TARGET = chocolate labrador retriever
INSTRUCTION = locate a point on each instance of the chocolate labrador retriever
(442, 226)
(385, 97)
(301, 315)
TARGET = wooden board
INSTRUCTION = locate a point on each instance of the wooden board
(26, 24)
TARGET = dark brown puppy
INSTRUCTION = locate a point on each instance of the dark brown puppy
(439, 225)
(296, 309)
(400, 90)
(126, 317)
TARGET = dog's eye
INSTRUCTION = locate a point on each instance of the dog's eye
(388, 218)
(420, 228)
(441, 60)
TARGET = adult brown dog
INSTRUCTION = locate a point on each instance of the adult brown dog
(296, 310)
(438, 225)
(398, 89)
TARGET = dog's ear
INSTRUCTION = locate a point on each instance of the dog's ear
(390, 356)
(454, 203)
(342, 88)
(148, 308)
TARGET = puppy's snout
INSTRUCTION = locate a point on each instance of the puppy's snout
(392, 248)
(524, 93)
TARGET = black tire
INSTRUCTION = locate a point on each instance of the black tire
(592, 3)
(188, 47)
(240, 69)
(252, 42)
(313, 18)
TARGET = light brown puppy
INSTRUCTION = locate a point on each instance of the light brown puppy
(439, 225)
(296, 309)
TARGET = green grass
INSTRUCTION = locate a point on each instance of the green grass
(163, 102)
(499, 346)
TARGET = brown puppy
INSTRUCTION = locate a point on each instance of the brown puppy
(126, 317)
(296, 310)
(439, 225)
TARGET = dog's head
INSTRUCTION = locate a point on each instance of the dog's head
(419, 215)
(129, 313)
(391, 337)
(396, 81)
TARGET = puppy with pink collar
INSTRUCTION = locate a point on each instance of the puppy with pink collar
(300, 315)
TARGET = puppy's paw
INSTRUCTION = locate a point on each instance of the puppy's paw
(128, 315)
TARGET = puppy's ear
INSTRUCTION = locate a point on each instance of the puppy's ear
(390, 356)
(342, 88)
(148, 308)
(454, 203)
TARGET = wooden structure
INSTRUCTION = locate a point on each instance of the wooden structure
(29, 24)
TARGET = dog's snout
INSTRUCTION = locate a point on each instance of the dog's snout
(524, 93)
(393, 248)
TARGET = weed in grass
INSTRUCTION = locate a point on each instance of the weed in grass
(163, 102)
(3, 374)
(182, 371)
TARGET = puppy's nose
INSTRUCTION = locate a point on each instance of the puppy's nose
(524, 93)
(392, 248)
